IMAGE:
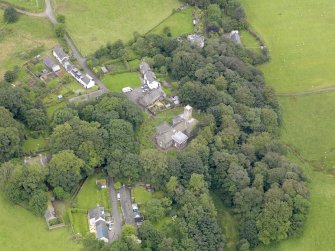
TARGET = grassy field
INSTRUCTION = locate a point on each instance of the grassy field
(180, 23)
(116, 82)
(34, 145)
(94, 23)
(302, 48)
(141, 195)
(298, 35)
(19, 38)
(31, 5)
(22, 231)
(89, 195)
(249, 41)
(80, 223)
(308, 127)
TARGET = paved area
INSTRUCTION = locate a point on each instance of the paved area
(126, 202)
(115, 233)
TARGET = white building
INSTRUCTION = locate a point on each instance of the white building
(86, 80)
(149, 76)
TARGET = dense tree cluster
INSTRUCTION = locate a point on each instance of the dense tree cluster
(10, 15)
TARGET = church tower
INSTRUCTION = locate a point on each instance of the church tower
(188, 113)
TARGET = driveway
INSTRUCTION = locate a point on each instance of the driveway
(115, 233)
(127, 209)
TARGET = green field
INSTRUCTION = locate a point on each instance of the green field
(116, 82)
(18, 39)
(141, 195)
(22, 231)
(180, 23)
(308, 127)
(319, 230)
(94, 23)
(89, 195)
(249, 41)
(31, 5)
(301, 48)
(34, 145)
(300, 40)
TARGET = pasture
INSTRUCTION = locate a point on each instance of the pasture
(299, 35)
(19, 39)
(180, 23)
(22, 231)
(30, 5)
(94, 23)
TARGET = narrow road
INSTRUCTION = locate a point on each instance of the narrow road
(32, 14)
(127, 209)
(115, 233)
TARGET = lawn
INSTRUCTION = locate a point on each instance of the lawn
(116, 82)
(227, 223)
(31, 5)
(94, 23)
(34, 145)
(89, 195)
(180, 23)
(21, 37)
(249, 41)
(298, 35)
(141, 195)
(80, 223)
(22, 231)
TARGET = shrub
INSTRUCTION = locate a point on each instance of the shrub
(10, 15)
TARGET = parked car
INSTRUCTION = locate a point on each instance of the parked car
(118, 196)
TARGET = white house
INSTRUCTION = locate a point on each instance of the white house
(149, 76)
(86, 80)
(97, 223)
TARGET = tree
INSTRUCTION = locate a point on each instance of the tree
(60, 19)
(121, 135)
(39, 203)
(10, 15)
(60, 30)
(36, 119)
(154, 164)
(60, 193)
(63, 115)
(155, 209)
(10, 143)
(10, 76)
(274, 222)
(64, 170)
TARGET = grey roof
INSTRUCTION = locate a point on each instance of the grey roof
(165, 137)
(102, 231)
(151, 77)
(96, 213)
(144, 67)
(68, 65)
(49, 62)
(50, 213)
(60, 53)
(177, 119)
(180, 137)
(235, 37)
(85, 79)
(150, 97)
(163, 128)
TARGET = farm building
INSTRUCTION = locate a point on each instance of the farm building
(51, 64)
(178, 134)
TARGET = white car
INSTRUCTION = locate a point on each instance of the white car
(118, 196)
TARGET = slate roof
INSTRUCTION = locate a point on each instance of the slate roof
(234, 36)
(180, 137)
(59, 52)
(150, 76)
(163, 128)
(49, 62)
(85, 79)
(144, 67)
(197, 39)
(102, 230)
(150, 97)
(96, 213)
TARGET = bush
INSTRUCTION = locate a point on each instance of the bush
(55, 221)
(60, 30)
(10, 15)
(10, 76)
(61, 19)
(60, 193)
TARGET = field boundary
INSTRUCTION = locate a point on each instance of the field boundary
(303, 93)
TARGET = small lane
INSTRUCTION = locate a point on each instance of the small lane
(115, 233)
